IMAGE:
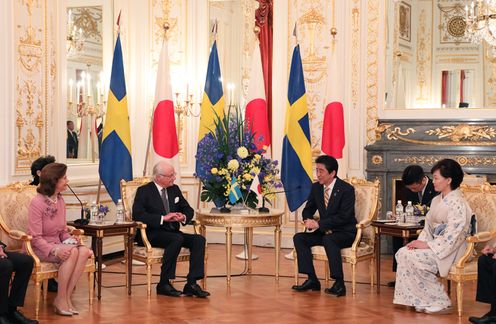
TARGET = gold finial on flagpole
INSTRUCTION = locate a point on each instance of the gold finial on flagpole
(256, 30)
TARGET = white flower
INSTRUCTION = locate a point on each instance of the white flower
(233, 165)
(242, 152)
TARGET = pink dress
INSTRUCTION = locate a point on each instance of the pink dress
(47, 225)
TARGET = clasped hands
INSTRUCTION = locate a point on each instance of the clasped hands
(311, 224)
(174, 217)
(416, 244)
(489, 250)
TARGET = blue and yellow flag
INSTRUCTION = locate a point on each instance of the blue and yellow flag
(115, 153)
(235, 192)
(213, 101)
(296, 165)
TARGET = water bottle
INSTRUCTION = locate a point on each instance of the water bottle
(93, 212)
(409, 212)
(120, 212)
(399, 212)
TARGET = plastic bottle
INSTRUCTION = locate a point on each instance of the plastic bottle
(93, 212)
(409, 212)
(399, 211)
(120, 212)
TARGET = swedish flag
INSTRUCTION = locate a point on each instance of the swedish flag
(213, 101)
(115, 154)
(235, 192)
(296, 165)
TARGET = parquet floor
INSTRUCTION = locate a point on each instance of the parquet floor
(257, 298)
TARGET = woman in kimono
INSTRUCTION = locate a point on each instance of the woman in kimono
(440, 244)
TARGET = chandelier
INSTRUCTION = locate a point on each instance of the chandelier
(480, 18)
(75, 39)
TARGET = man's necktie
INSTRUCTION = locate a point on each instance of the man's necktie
(326, 196)
(420, 197)
(165, 201)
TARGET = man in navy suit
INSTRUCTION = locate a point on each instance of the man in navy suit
(419, 190)
(162, 207)
(335, 229)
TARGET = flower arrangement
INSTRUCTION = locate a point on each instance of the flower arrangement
(420, 210)
(103, 209)
(230, 151)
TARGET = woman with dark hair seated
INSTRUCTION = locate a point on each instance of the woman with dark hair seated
(486, 284)
(51, 240)
(440, 244)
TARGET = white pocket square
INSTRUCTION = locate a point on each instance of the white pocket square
(176, 200)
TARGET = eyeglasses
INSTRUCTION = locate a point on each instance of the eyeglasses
(168, 175)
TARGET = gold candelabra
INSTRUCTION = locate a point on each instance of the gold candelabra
(184, 108)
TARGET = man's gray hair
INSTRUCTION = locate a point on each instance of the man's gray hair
(157, 169)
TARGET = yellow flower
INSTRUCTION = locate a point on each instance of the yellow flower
(247, 176)
(242, 152)
(258, 156)
(233, 165)
(255, 170)
(214, 171)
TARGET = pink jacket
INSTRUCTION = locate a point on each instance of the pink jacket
(47, 224)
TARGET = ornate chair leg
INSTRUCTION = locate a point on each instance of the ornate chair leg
(326, 273)
(37, 293)
(353, 278)
(91, 287)
(371, 270)
(459, 297)
(45, 289)
(295, 266)
(149, 279)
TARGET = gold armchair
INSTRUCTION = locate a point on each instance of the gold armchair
(362, 249)
(147, 254)
(14, 203)
(482, 200)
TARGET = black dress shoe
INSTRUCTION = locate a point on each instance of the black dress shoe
(168, 290)
(338, 289)
(309, 284)
(195, 290)
(482, 320)
(391, 284)
(53, 286)
(18, 317)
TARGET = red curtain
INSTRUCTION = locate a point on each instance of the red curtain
(263, 19)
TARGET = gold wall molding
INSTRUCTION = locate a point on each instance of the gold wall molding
(355, 54)
(35, 75)
(372, 102)
(424, 58)
(462, 132)
(432, 159)
(314, 19)
(458, 135)
(377, 160)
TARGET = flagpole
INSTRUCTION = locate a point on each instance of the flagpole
(148, 144)
(98, 191)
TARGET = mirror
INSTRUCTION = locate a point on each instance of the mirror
(229, 17)
(86, 91)
(430, 62)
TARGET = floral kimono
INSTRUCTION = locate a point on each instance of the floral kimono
(447, 224)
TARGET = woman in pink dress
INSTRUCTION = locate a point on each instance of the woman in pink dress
(51, 239)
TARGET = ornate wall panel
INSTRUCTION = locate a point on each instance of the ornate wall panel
(314, 20)
(372, 77)
(35, 78)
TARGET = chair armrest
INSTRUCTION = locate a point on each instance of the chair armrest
(480, 237)
(364, 223)
(144, 237)
(20, 236)
(75, 231)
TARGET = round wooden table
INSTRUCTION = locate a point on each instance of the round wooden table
(247, 221)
